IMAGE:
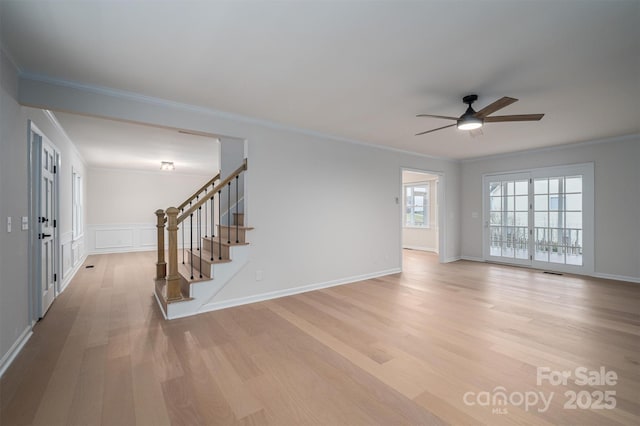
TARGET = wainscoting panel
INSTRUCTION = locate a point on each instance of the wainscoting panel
(129, 237)
(107, 239)
(71, 257)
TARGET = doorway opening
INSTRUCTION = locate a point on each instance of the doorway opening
(422, 216)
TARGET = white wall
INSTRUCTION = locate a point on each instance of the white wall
(617, 199)
(15, 324)
(423, 238)
(121, 206)
(322, 209)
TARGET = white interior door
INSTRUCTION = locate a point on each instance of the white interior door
(46, 233)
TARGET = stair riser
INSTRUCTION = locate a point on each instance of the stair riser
(238, 219)
(230, 234)
(195, 260)
(217, 250)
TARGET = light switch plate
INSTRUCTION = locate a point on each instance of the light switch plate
(8, 223)
(25, 223)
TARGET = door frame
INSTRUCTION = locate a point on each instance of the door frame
(34, 157)
(440, 196)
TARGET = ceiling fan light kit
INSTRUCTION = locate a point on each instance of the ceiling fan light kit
(472, 120)
(469, 121)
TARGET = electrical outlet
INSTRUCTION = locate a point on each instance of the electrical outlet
(25, 223)
(8, 223)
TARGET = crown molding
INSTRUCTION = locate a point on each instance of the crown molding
(54, 120)
(137, 97)
(554, 148)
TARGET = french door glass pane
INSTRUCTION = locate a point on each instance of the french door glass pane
(509, 219)
(558, 219)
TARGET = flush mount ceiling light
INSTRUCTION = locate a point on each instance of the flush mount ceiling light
(167, 165)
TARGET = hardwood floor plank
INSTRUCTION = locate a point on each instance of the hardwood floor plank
(400, 349)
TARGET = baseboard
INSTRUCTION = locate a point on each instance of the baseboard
(421, 248)
(472, 258)
(451, 259)
(155, 295)
(69, 276)
(15, 349)
(123, 250)
(616, 277)
(297, 290)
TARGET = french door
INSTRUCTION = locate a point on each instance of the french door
(541, 218)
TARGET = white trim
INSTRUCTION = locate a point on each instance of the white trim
(160, 304)
(122, 94)
(472, 259)
(15, 349)
(54, 120)
(632, 136)
(616, 277)
(420, 248)
(291, 291)
(72, 273)
(452, 259)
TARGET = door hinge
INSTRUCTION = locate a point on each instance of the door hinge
(530, 180)
(55, 277)
(55, 169)
(55, 223)
(530, 257)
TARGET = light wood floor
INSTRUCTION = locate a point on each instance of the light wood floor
(403, 349)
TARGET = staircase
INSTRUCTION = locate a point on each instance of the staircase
(212, 249)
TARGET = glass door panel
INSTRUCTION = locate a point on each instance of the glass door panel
(558, 228)
(508, 224)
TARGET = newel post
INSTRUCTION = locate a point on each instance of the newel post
(161, 265)
(173, 279)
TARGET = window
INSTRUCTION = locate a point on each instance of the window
(77, 209)
(416, 205)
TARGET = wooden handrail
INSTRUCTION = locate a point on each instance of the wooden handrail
(218, 187)
(210, 182)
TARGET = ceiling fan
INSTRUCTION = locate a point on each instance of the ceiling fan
(471, 119)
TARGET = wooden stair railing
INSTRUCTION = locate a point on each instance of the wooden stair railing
(173, 217)
(199, 191)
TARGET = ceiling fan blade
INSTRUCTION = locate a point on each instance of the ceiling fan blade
(521, 117)
(433, 130)
(491, 108)
(437, 116)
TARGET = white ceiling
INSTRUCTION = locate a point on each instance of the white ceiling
(359, 70)
(108, 144)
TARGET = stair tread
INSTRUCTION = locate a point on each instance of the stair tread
(206, 256)
(242, 227)
(224, 242)
(160, 292)
(185, 271)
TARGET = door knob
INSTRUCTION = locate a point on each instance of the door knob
(43, 236)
